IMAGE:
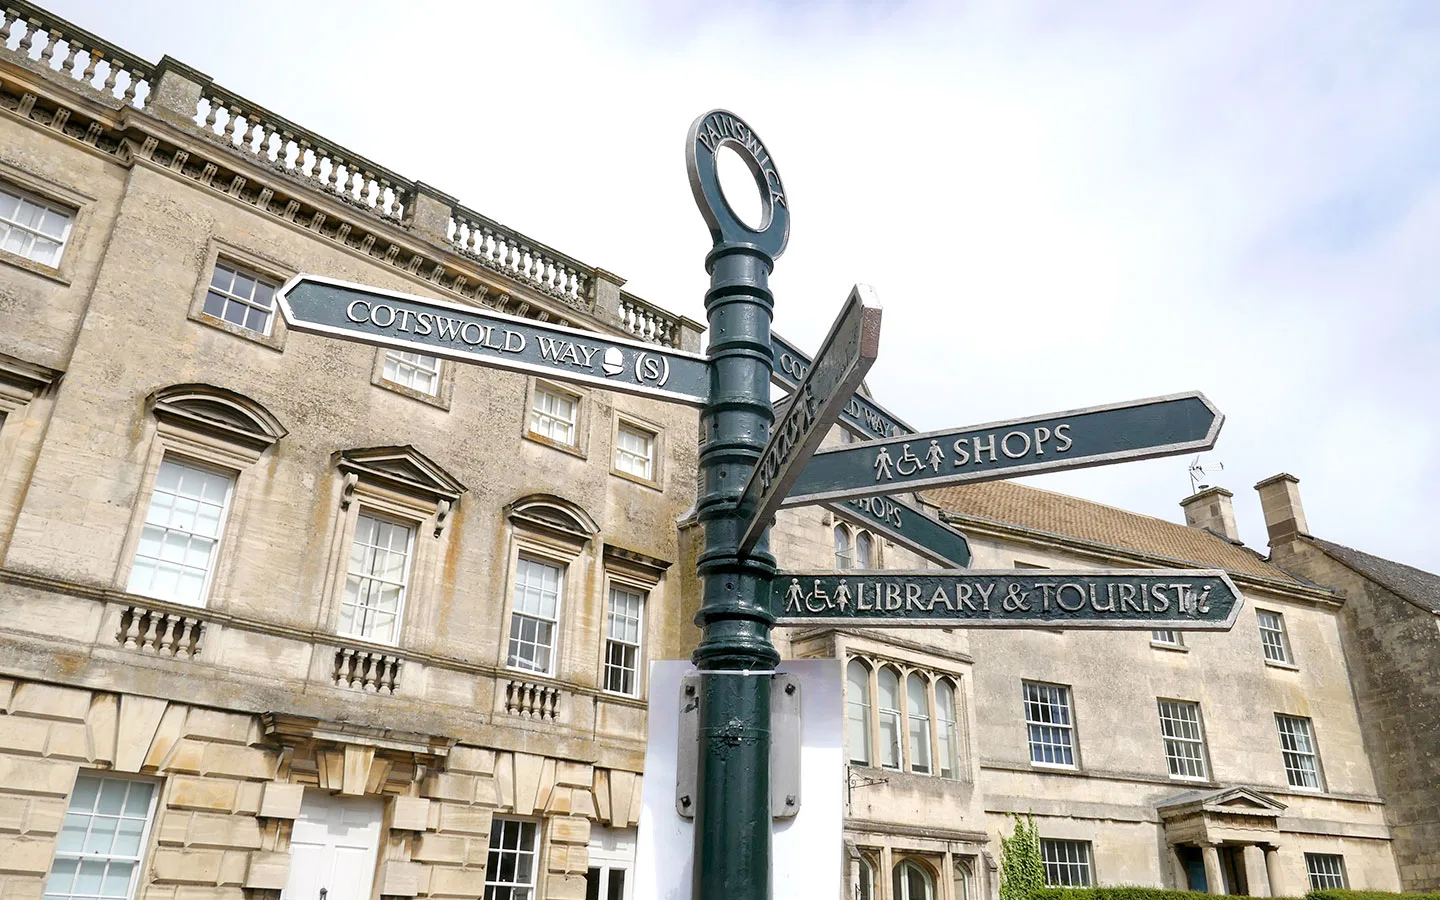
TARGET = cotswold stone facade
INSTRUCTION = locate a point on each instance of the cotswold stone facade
(282, 614)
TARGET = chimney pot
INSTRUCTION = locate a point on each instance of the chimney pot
(1211, 508)
(1280, 501)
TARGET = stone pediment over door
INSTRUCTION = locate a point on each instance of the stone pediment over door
(1238, 814)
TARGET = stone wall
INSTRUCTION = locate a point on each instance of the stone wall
(231, 786)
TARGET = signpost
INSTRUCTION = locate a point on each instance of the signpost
(1141, 429)
(744, 478)
(845, 356)
(1139, 599)
(862, 415)
(371, 315)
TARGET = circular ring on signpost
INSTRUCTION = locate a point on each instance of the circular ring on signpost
(721, 128)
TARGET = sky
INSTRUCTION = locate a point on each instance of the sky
(1059, 205)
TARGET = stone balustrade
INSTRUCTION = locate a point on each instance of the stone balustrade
(647, 322)
(159, 632)
(533, 701)
(367, 670)
(286, 147)
(46, 40)
(529, 262)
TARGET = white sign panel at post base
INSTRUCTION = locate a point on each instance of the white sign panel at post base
(807, 847)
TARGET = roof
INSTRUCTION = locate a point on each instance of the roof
(1416, 585)
(1006, 502)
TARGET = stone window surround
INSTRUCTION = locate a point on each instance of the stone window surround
(1289, 661)
(657, 449)
(637, 572)
(566, 558)
(363, 489)
(444, 388)
(931, 677)
(581, 447)
(50, 191)
(278, 271)
(196, 440)
(853, 532)
(1088, 864)
(542, 849)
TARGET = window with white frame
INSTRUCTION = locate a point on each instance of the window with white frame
(98, 854)
(1049, 724)
(1067, 863)
(912, 881)
(864, 550)
(33, 228)
(888, 692)
(1184, 740)
(917, 707)
(624, 625)
(635, 451)
(554, 415)
(1326, 871)
(1297, 746)
(241, 297)
(535, 615)
(901, 720)
(857, 711)
(175, 559)
(415, 371)
(1272, 636)
(947, 731)
(1167, 637)
(512, 862)
(844, 548)
(375, 584)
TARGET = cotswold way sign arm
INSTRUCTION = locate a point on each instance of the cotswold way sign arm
(1116, 599)
(861, 415)
(1120, 432)
(369, 315)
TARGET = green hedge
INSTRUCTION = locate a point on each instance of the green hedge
(1130, 892)
(1125, 892)
(1367, 894)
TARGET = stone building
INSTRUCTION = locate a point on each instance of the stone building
(289, 617)
(284, 615)
(1391, 631)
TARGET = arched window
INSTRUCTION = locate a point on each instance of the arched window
(864, 551)
(844, 553)
(865, 887)
(912, 882)
(857, 706)
(946, 732)
(918, 709)
(888, 683)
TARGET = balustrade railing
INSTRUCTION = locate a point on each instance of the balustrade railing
(286, 147)
(497, 247)
(367, 670)
(533, 701)
(42, 37)
(159, 632)
(648, 323)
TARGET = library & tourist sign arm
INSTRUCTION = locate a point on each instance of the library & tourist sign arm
(369, 315)
(1120, 432)
(1119, 599)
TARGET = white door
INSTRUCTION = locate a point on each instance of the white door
(333, 848)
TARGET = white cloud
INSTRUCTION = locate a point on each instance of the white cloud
(1060, 205)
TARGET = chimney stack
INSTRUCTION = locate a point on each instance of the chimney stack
(1284, 516)
(1211, 508)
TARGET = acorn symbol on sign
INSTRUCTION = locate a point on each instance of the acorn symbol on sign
(614, 361)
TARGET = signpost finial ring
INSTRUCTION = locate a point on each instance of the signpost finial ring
(721, 128)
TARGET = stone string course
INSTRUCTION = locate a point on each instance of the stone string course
(230, 796)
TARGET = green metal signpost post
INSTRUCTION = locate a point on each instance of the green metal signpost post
(732, 818)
